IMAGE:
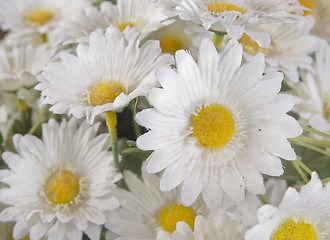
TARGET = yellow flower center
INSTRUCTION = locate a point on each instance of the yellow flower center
(291, 230)
(105, 92)
(309, 4)
(217, 8)
(62, 187)
(122, 26)
(170, 44)
(172, 214)
(250, 46)
(214, 126)
(39, 17)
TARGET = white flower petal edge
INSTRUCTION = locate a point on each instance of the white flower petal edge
(259, 112)
(310, 206)
(64, 148)
(111, 56)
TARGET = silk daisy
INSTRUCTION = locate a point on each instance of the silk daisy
(234, 16)
(304, 215)
(312, 93)
(319, 10)
(20, 65)
(217, 125)
(140, 13)
(148, 213)
(39, 16)
(104, 76)
(290, 49)
(181, 35)
(60, 186)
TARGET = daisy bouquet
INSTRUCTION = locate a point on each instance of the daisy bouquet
(165, 119)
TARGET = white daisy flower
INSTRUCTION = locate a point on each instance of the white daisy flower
(235, 16)
(140, 13)
(217, 125)
(60, 186)
(148, 213)
(290, 48)
(104, 76)
(37, 15)
(313, 98)
(181, 35)
(304, 215)
(20, 65)
(319, 10)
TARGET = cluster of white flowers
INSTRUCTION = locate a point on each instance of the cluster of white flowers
(165, 119)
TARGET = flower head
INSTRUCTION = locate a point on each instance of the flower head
(60, 186)
(217, 125)
(104, 76)
(142, 14)
(303, 215)
(235, 16)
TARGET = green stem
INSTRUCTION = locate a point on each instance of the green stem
(218, 39)
(137, 128)
(298, 169)
(309, 146)
(262, 199)
(312, 130)
(36, 125)
(322, 143)
(304, 167)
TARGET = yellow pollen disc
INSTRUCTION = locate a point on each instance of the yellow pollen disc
(309, 4)
(250, 46)
(172, 214)
(170, 45)
(223, 7)
(291, 230)
(214, 126)
(105, 92)
(40, 17)
(122, 26)
(62, 187)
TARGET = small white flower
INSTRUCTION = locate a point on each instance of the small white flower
(40, 16)
(148, 213)
(20, 65)
(140, 13)
(181, 35)
(60, 186)
(235, 16)
(217, 125)
(290, 48)
(313, 92)
(104, 76)
(304, 215)
(319, 10)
